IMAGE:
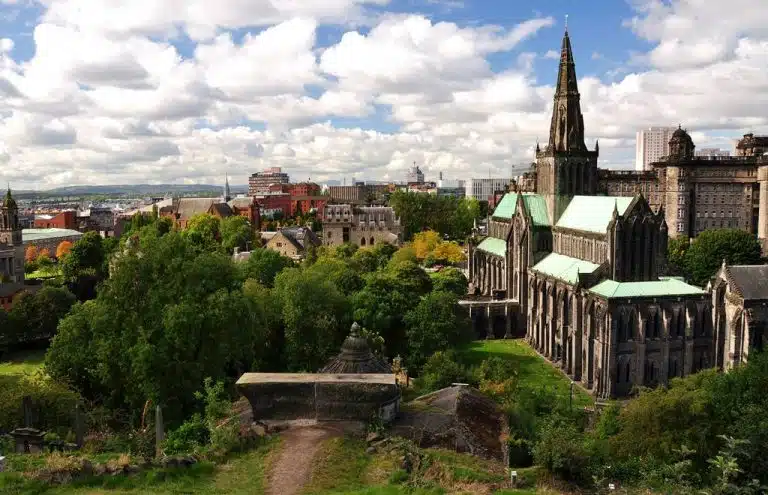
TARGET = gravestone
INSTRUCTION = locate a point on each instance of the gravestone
(159, 431)
(28, 440)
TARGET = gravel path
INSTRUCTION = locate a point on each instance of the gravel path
(293, 466)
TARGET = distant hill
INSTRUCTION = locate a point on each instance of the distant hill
(136, 190)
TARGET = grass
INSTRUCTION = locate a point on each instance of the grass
(22, 362)
(243, 474)
(534, 371)
(339, 466)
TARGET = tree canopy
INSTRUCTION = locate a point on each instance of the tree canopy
(446, 215)
(700, 260)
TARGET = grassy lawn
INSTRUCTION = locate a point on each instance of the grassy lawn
(243, 474)
(535, 371)
(22, 362)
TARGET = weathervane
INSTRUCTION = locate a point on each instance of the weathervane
(566, 22)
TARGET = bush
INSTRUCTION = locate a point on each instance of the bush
(561, 450)
(53, 402)
(519, 452)
(190, 436)
(441, 370)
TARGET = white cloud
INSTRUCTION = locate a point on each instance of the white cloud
(103, 102)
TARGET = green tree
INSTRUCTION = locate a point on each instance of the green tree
(677, 248)
(316, 317)
(86, 259)
(711, 247)
(264, 265)
(366, 260)
(438, 323)
(342, 274)
(36, 316)
(170, 315)
(236, 232)
(450, 280)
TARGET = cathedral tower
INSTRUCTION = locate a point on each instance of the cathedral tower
(565, 167)
(11, 248)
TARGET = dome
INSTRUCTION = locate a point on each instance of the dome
(681, 145)
(356, 357)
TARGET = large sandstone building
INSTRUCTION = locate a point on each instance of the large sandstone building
(581, 275)
(702, 192)
(361, 225)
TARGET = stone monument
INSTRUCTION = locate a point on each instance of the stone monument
(28, 440)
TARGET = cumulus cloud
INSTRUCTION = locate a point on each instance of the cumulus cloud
(123, 94)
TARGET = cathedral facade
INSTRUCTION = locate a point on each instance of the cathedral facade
(581, 276)
(11, 249)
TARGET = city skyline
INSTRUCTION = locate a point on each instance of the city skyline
(171, 95)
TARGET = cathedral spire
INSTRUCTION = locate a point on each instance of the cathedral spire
(566, 132)
(227, 193)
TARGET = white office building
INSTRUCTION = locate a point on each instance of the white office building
(483, 189)
(652, 144)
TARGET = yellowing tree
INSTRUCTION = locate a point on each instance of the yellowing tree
(425, 242)
(31, 253)
(449, 251)
(63, 248)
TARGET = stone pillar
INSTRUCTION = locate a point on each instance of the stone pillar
(508, 321)
(639, 363)
(688, 358)
(489, 334)
(762, 218)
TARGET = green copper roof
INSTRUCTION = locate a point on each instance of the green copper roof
(494, 246)
(534, 203)
(564, 267)
(506, 207)
(537, 207)
(592, 213)
(665, 286)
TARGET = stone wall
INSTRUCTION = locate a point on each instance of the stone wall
(321, 397)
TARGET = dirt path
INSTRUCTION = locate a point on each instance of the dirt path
(293, 466)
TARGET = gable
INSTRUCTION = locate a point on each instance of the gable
(749, 281)
(282, 239)
(593, 213)
(505, 210)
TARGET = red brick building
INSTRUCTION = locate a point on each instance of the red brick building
(62, 220)
(270, 203)
(303, 204)
(305, 189)
(248, 208)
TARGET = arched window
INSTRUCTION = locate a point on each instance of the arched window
(372, 242)
(362, 241)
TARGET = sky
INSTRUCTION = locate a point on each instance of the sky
(186, 91)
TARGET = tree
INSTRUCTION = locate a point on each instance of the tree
(438, 323)
(425, 242)
(450, 280)
(444, 214)
(205, 230)
(31, 253)
(711, 247)
(677, 248)
(63, 248)
(264, 265)
(236, 232)
(170, 315)
(316, 316)
(340, 273)
(36, 316)
(366, 260)
(85, 258)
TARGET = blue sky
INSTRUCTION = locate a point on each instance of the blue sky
(90, 94)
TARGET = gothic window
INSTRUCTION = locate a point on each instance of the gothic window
(672, 368)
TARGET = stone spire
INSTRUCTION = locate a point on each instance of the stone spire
(227, 192)
(566, 132)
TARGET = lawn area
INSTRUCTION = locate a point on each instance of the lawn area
(243, 474)
(22, 362)
(535, 371)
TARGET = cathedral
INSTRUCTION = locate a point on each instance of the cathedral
(581, 275)
(11, 249)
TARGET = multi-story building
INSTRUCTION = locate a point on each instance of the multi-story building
(702, 192)
(484, 189)
(260, 181)
(359, 194)
(293, 242)
(361, 225)
(712, 152)
(62, 220)
(415, 175)
(582, 275)
(304, 189)
(11, 243)
(651, 145)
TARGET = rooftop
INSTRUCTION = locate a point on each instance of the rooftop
(493, 245)
(593, 213)
(534, 204)
(383, 378)
(665, 286)
(564, 267)
(751, 280)
(31, 235)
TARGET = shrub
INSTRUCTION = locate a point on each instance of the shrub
(53, 402)
(191, 435)
(442, 369)
(561, 450)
